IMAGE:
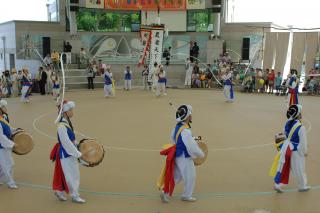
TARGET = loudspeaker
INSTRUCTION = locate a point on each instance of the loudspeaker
(46, 47)
(245, 48)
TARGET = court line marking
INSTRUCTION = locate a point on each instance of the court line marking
(149, 195)
(35, 127)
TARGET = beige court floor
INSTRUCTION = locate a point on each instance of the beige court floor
(134, 125)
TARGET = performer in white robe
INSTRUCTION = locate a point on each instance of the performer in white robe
(26, 85)
(296, 146)
(6, 145)
(154, 74)
(227, 88)
(108, 83)
(127, 78)
(161, 87)
(66, 153)
(186, 149)
(55, 85)
(188, 77)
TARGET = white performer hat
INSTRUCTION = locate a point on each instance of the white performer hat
(67, 105)
(183, 112)
(3, 103)
(294, 111)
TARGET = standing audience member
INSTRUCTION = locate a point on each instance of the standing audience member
(278, 83)
(90, 76)
(68, 49)
(195, 50)
(6, 84)
(15, 82)
(271, 78)
(145, 74)
(42, 80)
(82, 55)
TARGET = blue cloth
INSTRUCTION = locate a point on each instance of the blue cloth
(6, 131)
(72, 137)
(295, 137)
(56, 86)
(107, 80)
(180, 147)
(25, 81)
(127, 75)
(162, 80)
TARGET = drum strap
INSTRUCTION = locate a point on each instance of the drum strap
(293, 129)
(186, 126)
(5, 121)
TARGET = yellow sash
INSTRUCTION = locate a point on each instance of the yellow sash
(274, 166)
(114, 87)
(160, 181)
(5, 122)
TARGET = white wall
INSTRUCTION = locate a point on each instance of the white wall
(174, 20)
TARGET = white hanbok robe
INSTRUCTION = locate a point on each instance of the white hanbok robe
(70, 165)
(6, 160)
(297, 162)
(184, 167)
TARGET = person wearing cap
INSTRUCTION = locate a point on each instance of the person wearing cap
(292, 152)
(161, 85)
(65, 154)
(127, 78)
(227, 88)
(108, 83)
(293, 86)
(26, 85)
(6, 145)
(182, 152)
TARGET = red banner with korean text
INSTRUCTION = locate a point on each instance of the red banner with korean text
(173, 5)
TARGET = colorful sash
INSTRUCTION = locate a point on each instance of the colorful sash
(280, 168)
(166, 179)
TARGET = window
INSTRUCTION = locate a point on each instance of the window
(199, 21)
(107, 21)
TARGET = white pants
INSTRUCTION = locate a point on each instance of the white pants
(108, 90)
(298, 169)
(185, 170)
(187, 81)
(161, 89)
(226, 92)
(70, 167)
(68, 58)
(127, 84)
(55, 93)
(6, 167)
(24, 92)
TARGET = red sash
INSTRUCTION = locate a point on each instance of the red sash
(59, 181)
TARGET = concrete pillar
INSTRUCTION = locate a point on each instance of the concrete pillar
(216, 24)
